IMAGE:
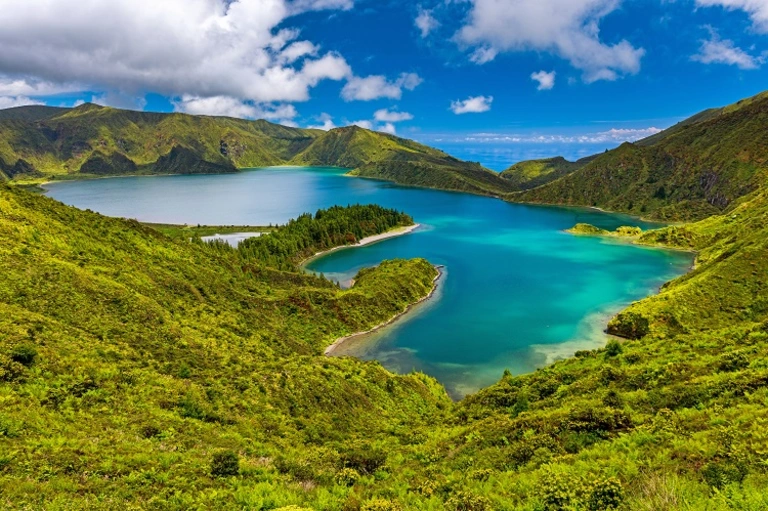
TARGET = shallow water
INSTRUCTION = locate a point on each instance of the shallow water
(518, 291)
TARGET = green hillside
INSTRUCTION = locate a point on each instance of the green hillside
(141, 371)
(93, 141)
(695, 169)
(532, 173)
(381, 156)
(146, 372)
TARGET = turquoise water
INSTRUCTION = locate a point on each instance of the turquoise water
(518, 291)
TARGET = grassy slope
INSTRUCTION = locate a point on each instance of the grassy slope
(381, 156)
(532, 173)
(694, 170)
(36, 142)
(122, 406)
(153, 354)
(61, 144)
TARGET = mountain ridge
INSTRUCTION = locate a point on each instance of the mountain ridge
(692, 170)
(96, 141)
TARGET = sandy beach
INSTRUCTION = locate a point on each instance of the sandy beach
(338, 342)
(400, 231)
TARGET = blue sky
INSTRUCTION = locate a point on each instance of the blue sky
(490, 80)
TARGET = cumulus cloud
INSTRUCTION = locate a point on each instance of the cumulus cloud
(724, 51)
(201, 48)
(568, 28)
(14, 101)
(377, 86)
(363, 124)
(18, 87)
(233, 107)
(472, 105)
(615, 135)
(327, 123)
(385, 115)
(387, 128)
(546, 80)
(757, 10)
(483, 55)
(426, 22)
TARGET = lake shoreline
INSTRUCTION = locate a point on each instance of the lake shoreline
(341, 340)
(398, 231)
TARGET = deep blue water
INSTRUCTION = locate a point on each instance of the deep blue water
(518, 291)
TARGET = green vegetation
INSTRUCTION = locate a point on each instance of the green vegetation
(382, 156)
(619, 232)
(186, 232)
(693, 170)
(307, 235)
(143, 371)
(39, 143)
(532, 173)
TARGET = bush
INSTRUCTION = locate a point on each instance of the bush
(364, 459)
(734, 361)
(347, 477)
(606, 494)
(464, 501)
(24, 354)
(381, 505)
(613, 400)
(719, 474)
(225, 464)
(613, 348)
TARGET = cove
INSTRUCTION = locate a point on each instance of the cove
(517, 293)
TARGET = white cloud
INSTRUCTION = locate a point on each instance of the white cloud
(483, 55)
(202, 48)
(377, 86)
(724, 51)
(476, 104)
(233, 107)
(385, 115)
(546, 80)
(363, 124)
(425, 22)
(387, 128)
(568, 28)
(327, 123)
(757, 10)
(14, 101)
(19, 87)
(615, 135)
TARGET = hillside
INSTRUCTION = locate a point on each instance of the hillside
(532, 173)
(695, 169)
(90, 141)
(381, 156)
(95, 141)
(147, 372)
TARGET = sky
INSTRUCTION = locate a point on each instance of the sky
(495, 81)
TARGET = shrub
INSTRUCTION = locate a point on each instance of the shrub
(364, 459)
(225, 464)
(347, 477)
(606, 494)
(734, 361)
(381, 505)
(613, 348)
(613, 400)
(24, 354)
(465, 501)
(719, 474)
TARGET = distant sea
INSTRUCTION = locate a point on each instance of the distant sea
(500, 156)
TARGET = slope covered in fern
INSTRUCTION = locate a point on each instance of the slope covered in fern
(695, 169)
